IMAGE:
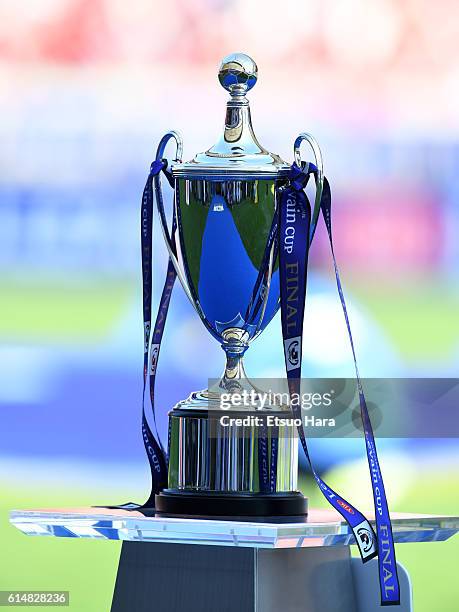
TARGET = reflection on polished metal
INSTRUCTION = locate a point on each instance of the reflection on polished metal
(225, 203)
(207, 456)
(238, 150)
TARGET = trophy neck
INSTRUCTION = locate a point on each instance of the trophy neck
(238, 133)
(234, 373)
(235, 344)
(238, 138)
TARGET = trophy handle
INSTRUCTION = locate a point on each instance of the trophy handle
(320, 173)
(160, 207)
(159, 196)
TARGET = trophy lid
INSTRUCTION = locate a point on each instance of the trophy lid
(237, 154)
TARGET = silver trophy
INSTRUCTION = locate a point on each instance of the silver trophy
(224, 250)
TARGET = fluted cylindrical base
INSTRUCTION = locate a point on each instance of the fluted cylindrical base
(206, 455)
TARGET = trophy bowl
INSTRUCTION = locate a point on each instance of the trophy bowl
(224, 245)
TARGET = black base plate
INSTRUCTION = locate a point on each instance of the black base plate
(232, 505)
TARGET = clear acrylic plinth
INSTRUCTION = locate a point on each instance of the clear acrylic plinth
(322, 528)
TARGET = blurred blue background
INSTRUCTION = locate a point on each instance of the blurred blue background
(87, 88)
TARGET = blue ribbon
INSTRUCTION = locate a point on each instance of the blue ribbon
(294, 225)
(156, 454)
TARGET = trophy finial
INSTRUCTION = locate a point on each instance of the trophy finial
(238, 73)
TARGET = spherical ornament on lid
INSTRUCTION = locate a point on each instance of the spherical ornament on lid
(238, 73)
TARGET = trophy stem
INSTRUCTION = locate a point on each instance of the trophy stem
(234, 344)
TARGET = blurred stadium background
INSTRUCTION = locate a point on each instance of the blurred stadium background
(87, 88)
